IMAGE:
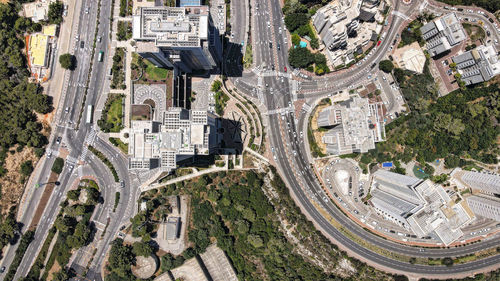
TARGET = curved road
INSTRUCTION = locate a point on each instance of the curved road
(301, 179)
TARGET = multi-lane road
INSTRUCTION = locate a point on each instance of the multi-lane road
(75, 139)
(292, 157)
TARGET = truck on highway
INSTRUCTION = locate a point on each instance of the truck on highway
(100, 56)
(90, 109)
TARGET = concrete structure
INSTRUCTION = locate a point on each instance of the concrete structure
(180, 135)
(182, 38)
(37, 11)
(422, 206)
(49, 30)
(218, 265)
(343, 27)
(38, 49)
(357, 126)
(172, 228)
(488, 183)
(478, 65)
(442, 34)
(485, 206)
(410, 57)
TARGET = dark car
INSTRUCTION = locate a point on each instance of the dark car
(278, 46)
(82, 44)
(2, 270)
(270, 45)
(58, 140)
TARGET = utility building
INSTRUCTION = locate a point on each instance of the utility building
(182, 38)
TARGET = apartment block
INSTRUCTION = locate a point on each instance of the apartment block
(344, 26)
(183, 38)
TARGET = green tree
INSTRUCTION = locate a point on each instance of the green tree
(73, 194)
(121, 258)
(27, 168)
(67, 61)
(294, 21)
(55, 12)
(295, 39)
(300, 57)
(142, 249)
(255, 240)
(58, 165)
(386, 66)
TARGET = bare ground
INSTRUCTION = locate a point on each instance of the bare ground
(12, 189)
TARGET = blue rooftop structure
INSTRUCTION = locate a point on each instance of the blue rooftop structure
(387, 164)
(184, 3)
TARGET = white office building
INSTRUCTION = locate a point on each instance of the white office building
(478, 65)
(485, 206)
(420, 206)
(442, 34)
(181, 134)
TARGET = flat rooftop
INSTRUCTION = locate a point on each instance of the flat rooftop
(172, 26)
(38, 49)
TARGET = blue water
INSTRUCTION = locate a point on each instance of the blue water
(303, 44)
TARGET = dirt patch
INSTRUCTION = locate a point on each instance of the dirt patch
(44, 200)
(55, 268)
(318, 135)
(12, 189)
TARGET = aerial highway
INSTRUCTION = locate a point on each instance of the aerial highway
(292, 157)
(66, 134)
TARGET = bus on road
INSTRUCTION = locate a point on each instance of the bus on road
(100, 56)
(90, 109)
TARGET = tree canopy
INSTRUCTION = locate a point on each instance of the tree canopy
(386, 66)
(67, 61)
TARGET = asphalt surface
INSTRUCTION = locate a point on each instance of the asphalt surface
(294, 165)
(76, 141)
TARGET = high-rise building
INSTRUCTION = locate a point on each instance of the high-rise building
(182, 38)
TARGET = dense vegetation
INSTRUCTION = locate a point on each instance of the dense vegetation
(297, 19)
(8, 229)
(112, 114)
(303, 58)
(124, 32)
(458, 126)
(55, 12)
(233, 209)
(19, 98)
(220, 97)
(26, 239)
(491, 6)
(118, 69)
(75, 229)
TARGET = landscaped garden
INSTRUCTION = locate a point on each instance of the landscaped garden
(112, 116)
